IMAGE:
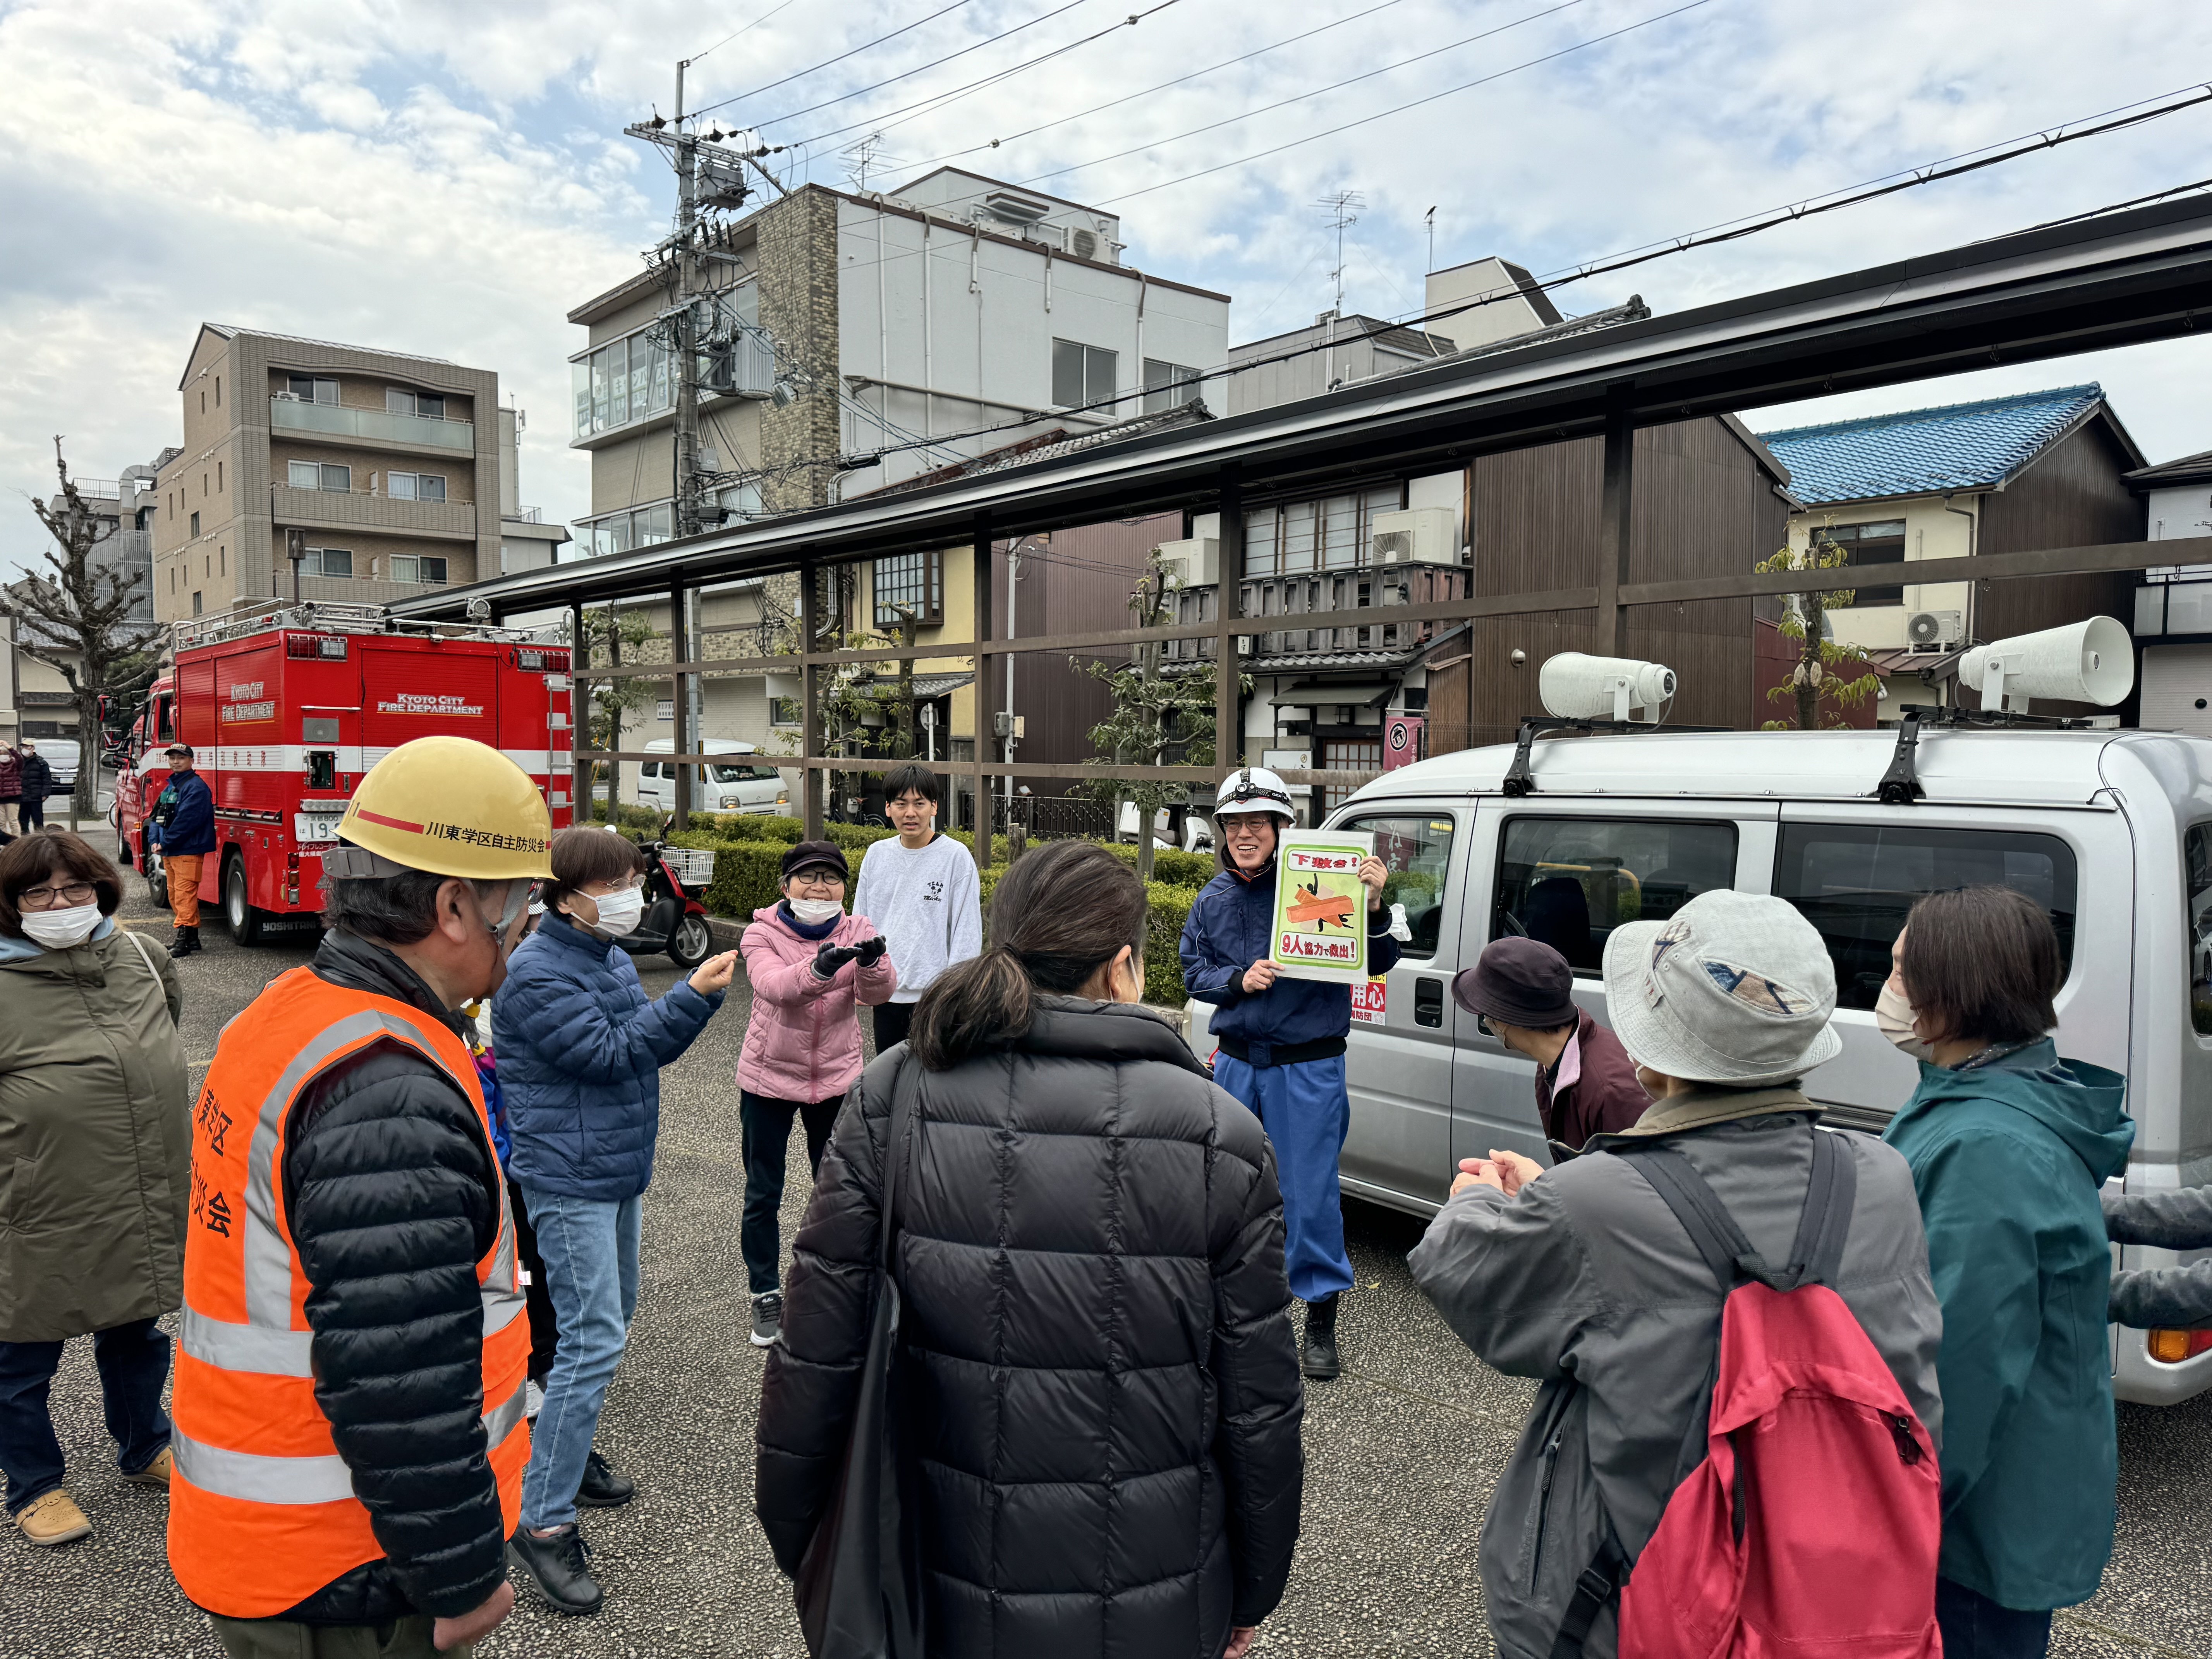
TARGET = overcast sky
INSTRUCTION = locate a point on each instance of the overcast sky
(452, 178)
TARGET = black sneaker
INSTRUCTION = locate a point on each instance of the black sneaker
(768, 1319)
(1317, 1353)
(561, 1566)
(603, 1489)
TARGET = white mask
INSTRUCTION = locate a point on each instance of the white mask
(619, 912)
(57, 930)
(1894, 1016)
(814, 912)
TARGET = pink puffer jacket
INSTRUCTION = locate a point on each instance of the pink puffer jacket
(802, 1041)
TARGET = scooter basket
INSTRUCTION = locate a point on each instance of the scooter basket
(692, 866)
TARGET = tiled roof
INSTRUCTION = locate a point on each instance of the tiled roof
(1922, 451)
(2188, 470)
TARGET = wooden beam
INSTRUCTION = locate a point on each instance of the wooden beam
(986, 589)
(817, 764)
(1615, 527)
(680, 648)
(2110, 556)
(810, 703)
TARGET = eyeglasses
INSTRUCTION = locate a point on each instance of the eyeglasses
(45, 898)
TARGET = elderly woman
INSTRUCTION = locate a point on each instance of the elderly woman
(95, 1131)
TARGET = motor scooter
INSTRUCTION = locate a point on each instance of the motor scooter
(674, 920)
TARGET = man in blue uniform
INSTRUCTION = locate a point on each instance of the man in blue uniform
(1282, 1040)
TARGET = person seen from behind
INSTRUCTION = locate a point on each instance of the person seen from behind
(38, 784)
(184, 823)
(2010, 1146)
(808, 964)
(1582, 1276)
(580, 1047)
(350, 1437)
(923, 893)
(12, 789)
(95, 1124)
(1585, 1082)
(1097, 1376)
(1282, 1039)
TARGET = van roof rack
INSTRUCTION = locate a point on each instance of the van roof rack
(1900, 785)
(1520, 780)
(326, 616)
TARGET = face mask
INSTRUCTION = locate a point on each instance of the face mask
(619, 912)
(57, 930)
(814, 912)
(1893, 1015)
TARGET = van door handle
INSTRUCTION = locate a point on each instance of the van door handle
(1428, 1002)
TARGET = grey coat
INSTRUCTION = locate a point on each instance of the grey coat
(2174, 1297)
(1585, 1281)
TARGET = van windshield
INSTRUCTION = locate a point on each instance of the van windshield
(2196, 852)
(1855, 882)
(745, 774)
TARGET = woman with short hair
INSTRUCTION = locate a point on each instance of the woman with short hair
(1097, 1380)
(2009, 1146)
(95, 1126)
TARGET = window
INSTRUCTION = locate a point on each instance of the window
(196, 604)
(312, 475)
(414, 486)
(783, 711)
(911, 582)
(1355, 755)
(1161, 390)
(309, 389)
(665, 710)
(195, 524)
(1417, 849)
(1870, 543)
(648, 770)
(618, 532)
(327, 561)
(218, 477)
(1855, 882)
(1082, 373)
(744, 501)
(625, 381)
(410, 567)
(1570, 881)
(218, 392)
(745, 774)
(1335, 533)
(398, 400)
(2196, 854)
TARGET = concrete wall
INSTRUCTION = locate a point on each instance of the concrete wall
(1931, 532)
(2183, 511)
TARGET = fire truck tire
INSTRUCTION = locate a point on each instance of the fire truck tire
(243, 921)
(692, 942)
(157, 877)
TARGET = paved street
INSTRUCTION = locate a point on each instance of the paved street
(1400, 1453)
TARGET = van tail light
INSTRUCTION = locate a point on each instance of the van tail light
(2172, 1347)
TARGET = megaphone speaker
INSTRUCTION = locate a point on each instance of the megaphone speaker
(2091, 661)
(1577, 686)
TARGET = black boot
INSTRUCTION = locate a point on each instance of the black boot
(562, 1567)
(603, 1489)
(181, 946)
(1317, 1354)
(192, 939)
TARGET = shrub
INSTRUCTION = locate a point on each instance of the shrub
(750, 826)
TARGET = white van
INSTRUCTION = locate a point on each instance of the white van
(2111, 831)
(742, 784)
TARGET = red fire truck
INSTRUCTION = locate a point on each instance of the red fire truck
(285, 707)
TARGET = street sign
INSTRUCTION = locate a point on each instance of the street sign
(1401, 740)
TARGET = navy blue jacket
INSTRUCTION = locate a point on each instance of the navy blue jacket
(580, 1048)
(191, 828)
(1227, 931)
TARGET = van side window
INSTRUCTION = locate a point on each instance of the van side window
(1570, 881)
(1417, 850)
(1855, 882)
(2196, 852)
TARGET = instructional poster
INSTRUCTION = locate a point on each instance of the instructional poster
(1320, 908)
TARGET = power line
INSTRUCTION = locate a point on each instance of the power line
(801, 74)
(697, 57)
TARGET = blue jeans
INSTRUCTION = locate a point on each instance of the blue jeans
(1306, 1113)
(590, 1249)
(133, 1361)
(1975, 1627)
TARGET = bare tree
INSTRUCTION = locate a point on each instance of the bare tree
(77, 619)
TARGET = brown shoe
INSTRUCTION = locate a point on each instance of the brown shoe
(52, 1519)
(157, 1472)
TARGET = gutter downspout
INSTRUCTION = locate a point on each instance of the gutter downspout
(1973, 518)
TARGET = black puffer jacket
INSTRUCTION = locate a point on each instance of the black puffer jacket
(393, 1196)
(1107, 1399)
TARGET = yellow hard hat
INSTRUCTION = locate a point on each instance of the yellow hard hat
(450, 806)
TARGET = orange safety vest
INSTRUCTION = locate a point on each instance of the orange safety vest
(262, 1510)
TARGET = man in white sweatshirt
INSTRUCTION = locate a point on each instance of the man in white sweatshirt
(922, 893)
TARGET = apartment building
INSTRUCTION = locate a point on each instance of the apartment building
(389, 462)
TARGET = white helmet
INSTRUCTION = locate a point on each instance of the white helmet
(1254, 789)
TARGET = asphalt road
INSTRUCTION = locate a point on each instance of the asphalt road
(1401, 1453)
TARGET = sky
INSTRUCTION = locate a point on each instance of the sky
(452, 180)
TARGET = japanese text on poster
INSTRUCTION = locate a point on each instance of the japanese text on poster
(1320, 908)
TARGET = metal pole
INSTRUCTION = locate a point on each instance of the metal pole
(1013, 594)
(812, 780)
(1615, 529)
(986, 567)
(680, 646)
(1228, 701)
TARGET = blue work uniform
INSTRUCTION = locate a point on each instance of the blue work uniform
(1282, 1055)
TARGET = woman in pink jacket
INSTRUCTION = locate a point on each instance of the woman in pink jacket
(809, 963)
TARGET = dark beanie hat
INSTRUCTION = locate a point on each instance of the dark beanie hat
(808, 854)
(1522, 982)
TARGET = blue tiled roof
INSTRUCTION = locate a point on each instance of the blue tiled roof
(1920, 451)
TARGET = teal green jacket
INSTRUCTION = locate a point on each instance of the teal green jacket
(2009, 1159)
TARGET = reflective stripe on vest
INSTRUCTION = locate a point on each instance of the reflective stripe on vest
(263, 1513)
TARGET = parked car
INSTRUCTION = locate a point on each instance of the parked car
(62, 754)
(2111, 831)
(741, 784)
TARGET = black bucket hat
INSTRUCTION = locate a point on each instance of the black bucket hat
(1522, 982)
(810, 854)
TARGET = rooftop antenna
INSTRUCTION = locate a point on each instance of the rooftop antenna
(859, 157)
(1343, 207)
(1430, 216)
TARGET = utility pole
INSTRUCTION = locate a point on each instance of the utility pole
(687, 331)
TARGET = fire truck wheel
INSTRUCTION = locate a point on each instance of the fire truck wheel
(692, 942)
(240, 917)
(157, 877)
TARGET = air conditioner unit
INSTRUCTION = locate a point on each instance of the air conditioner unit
(1935, 630)
(287, 397)
(1420, 535)
(1195, 562)
(1082, 244)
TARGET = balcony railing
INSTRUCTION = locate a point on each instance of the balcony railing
(371, 511)
(338, 421)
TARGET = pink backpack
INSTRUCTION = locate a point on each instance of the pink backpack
(1812, 1524)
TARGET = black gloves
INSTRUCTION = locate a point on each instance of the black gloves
(830, 958)
(870, 951)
